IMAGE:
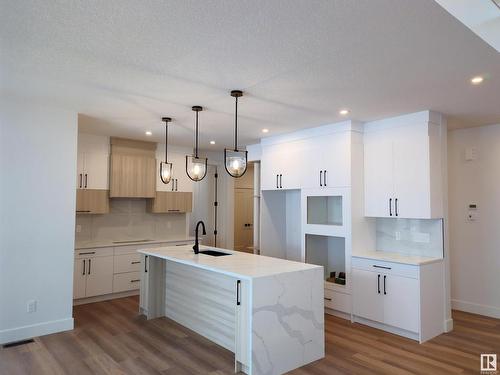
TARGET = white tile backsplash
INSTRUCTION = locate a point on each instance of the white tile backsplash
(410, 236)
(128, 219)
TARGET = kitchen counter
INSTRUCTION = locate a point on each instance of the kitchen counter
(269, 312)
(397, 257)
(112, 243)
(239, 264)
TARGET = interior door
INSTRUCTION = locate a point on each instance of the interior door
(367, 302)
(99, 276)
(401, 302)
(79, 278)
(412, 171)
(243, 220)
(378, 174)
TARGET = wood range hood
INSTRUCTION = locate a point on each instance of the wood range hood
(132, 171)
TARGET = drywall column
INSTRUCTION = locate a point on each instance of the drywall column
(256, 208)
(37, 218)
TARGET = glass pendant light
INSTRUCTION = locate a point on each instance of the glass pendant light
(165, 166)
(196, 167)
(235, 161)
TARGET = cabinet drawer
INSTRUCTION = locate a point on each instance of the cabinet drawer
(126, 249)
(390, 268)
(127, 263)
(338, 301)
(126, 281)
(93, 253)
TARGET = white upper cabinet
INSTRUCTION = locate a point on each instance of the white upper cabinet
(402, 167)
(327, 161)
(316, 161)
(180, 181)
(282, 165)
(92, 162)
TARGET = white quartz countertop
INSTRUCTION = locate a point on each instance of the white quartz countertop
(397, 257)
(239, 264)
(114, 243)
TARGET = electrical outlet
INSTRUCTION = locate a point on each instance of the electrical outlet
(31, 306)
(78, 228)
(398, 236)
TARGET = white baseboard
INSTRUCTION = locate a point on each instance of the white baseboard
(476, 308)
(35, 330)
(105, 297)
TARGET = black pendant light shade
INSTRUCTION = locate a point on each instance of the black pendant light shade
(196, 167)
(165, 166)
(235, 161)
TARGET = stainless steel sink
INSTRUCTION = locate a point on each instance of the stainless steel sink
(213, 253)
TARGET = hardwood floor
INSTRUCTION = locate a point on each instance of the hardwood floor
(109, 338)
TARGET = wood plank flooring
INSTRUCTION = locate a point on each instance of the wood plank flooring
(109, 338)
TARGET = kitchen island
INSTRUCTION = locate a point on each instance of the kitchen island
(268, 311)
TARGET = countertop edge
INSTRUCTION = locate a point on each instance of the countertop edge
(399, 261)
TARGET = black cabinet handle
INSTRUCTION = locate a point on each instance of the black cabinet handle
(281, 181)
(385, 268)
(86, 177)
(396, 205)
(135, 262)
(277, 181)
(90, 263)
(83, 273)
(146, 263)
(384, 284)
(327, 299)
(81, 177)
(87, 253)
(378, 283)
(325, 178)
(238, 292)
(82, 211)
(320, 178)
(135, 281)
(390, 206)
(172, 181)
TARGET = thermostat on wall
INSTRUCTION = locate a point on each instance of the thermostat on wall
(470, 153)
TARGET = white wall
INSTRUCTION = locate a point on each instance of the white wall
(475, 246)
(37, 218)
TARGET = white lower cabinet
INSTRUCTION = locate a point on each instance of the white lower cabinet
(93, 273)
(400, 298)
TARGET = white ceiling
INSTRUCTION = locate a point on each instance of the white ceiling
(125, 64)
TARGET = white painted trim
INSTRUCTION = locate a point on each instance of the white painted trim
(448, 325)
(475, 308)
(35, 330)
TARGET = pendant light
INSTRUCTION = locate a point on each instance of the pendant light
(196, 167)
(235, 161)
(165, 166)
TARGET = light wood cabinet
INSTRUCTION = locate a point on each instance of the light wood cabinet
(132, 169)
(402, 168)
(92, 201)
(171, 202)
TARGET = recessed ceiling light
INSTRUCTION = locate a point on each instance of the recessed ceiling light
(149, 133)
(212, 142)
(476, 80)
(344, 112)
(265, 130)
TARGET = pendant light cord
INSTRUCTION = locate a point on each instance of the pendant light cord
(236, 125)
(166, 140)
(196, 138)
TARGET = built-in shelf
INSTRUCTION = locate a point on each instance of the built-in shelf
(329, 252)
(325, 210)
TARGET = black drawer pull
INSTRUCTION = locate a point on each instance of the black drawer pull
(87, 253)
(136, 262)
(385, 268)
(135, 281)
(83, 211)
(328, 299)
